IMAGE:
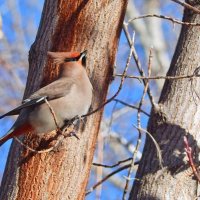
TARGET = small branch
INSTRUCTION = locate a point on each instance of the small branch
(131, 106)
(155, 143)
(164, 17)
(161, 77)
(146, 83)
(115, 165)
(36, 151)
(186, 5)
(137, 61)
(53, 115)
(107, 177)
(188, 151)
(111, 118)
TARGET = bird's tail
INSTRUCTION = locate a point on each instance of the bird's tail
(15, 131)
(6, 137)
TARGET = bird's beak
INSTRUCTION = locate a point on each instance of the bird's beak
(83, 54)
(82, 57)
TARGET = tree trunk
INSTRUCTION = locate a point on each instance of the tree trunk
(179, 116)
(65, 26)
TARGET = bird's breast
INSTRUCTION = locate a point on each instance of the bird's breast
(76, 102)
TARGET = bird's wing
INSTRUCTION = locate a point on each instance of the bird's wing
(56, 89)
(26, 103)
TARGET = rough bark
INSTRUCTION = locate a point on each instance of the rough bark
(178, 116)
(65, 26)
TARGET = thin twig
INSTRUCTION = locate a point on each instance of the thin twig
(115, 165)
(149, 62)
(164, 17)
(188, 151)
(137, 61)
(155, 143)
(186, 5)
(111, 118)
(131, 106)
(106, 177)
(37, 151)
(53, 115)
(161, 77)
(139, 132)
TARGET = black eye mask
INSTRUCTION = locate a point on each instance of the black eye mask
(72, 59)
(82, 55)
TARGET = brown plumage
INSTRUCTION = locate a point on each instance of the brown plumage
(69, 96)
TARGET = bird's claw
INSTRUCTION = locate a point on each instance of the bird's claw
(76, 118)
(79, 118)
(59, 131)
(73, 133)
(73, 121)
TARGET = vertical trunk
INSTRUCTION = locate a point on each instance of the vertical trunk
(179, 116)
(65, 26)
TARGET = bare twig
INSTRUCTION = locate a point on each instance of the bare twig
(149, 63)
(107, 177)
(164, 17)
(111, 118)
(162, 77)
(188, 151)
(53, 115)
(139, 131)
(37, 151)
(138, 64)
(115, 165)
(131, 106)
(186, 5)
(155, 143)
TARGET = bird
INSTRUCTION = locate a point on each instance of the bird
(70, 95)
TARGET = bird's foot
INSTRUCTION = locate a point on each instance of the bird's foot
(73, 134)
(59, 131)
(73, 121)
(78, 118)
(69, 132)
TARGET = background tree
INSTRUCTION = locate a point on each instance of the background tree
(65, 26)
(177, 116)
